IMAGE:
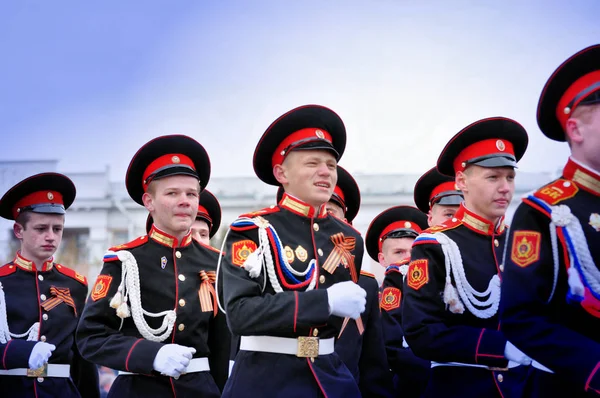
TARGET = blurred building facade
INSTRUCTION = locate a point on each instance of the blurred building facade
(103, 215)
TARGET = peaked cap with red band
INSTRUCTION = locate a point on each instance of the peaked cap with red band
(491, 142)
(48, 193)
(395, 222)
(209, 211)
(166, 156)
(436, 188)
(575, 82)
(346, 194)
(303, 128)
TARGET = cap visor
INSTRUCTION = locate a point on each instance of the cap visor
(450, 200)
(318, 145)
(496, 161)
(48, 208)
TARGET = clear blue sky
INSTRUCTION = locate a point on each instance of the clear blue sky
(88, 83)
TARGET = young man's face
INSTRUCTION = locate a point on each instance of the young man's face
(394, 250)
(487, 191)
(440, 213)
(335, 210)
(309, 175)
(40, 236)
(585, 139)
(201, 232)
(173, 203)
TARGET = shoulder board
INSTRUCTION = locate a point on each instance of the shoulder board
(7, 269)
(557, 191)
(365, 273)
(130, 245)
(450, 224)
(265, 211)
(71, 273)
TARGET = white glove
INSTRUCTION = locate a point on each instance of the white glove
(40, 354)
(172, 359)
(346, 299)
(512, 353)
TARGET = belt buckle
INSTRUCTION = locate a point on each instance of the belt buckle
(42, 371)
(308, 347)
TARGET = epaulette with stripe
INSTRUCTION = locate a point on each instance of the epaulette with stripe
(365, 273)
(126, 246)
(448, 224)
(71, 273)
(557, 191)
(7, 269)
(265, 211)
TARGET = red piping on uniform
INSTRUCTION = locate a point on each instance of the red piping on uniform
(490, 356)
(589, 379)
(37, 287)
(4, 356)
(497, 386)
(316, 378)
(176, 291)
(315, 254)
(536, 206)
(296, 311)
(478, 342)
(172, 387)
(129, 354)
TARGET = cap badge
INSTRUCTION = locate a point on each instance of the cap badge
(175, 159)
(500, 145)
(50, 196)
(320, 134)
(407, 225)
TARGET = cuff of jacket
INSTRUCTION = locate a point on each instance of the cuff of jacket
(490, 349)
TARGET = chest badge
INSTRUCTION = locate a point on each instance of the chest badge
(595, 221)
(163, 262)
(289, 254)
(301, 253)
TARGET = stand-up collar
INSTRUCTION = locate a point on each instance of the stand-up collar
(165, 239)
(301, 208)
(585, 177)
(477, 223)
(29, 265)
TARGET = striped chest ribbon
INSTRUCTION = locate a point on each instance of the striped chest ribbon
(341, 253)
(59, 295)
(207, 293)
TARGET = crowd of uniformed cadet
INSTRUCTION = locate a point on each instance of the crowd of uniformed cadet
(469, 306)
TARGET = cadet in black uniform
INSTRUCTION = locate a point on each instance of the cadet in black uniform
(452, 290)
(290, 271)
(389, 234)
(360, 346)
(174, 342)
(551, 291)
(41, 301)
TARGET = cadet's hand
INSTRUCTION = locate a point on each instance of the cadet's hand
(512, 353)
(173, 359)
(346, 299)
(40, 354)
